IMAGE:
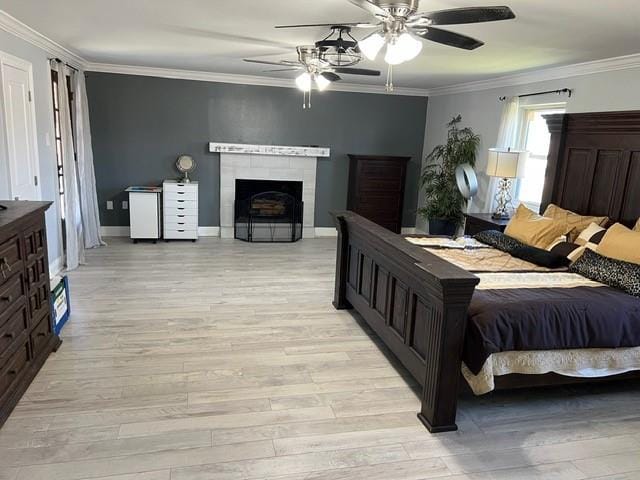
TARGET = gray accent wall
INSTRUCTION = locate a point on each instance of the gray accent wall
(141, 124)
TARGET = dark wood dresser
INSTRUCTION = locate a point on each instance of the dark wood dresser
(376, 189)
(26, 330)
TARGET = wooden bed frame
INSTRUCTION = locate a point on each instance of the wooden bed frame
(417, 303)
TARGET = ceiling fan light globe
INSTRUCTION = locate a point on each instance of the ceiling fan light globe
(409, 45)
(395, 54)
(303, 82)
(322, 83)
(371, 46)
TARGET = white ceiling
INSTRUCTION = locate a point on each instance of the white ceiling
(214, 35)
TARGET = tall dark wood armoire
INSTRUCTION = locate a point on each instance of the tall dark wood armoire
(376, 188)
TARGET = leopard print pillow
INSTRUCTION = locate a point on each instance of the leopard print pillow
(517, 249)
(615, 273)
(498, 240)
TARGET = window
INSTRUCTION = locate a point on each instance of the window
(535, 138)
(58, 132)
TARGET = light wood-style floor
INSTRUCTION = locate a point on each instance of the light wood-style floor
(225, 360)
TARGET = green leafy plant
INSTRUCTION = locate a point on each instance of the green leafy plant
(443, 200)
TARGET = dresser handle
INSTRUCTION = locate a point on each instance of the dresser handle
(7, 299)
(42, 334)
(4, 263)
(12, 372)
(10, 335)
(180, 193)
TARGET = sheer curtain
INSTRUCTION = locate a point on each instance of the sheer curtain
(86, 173)
(73, 216)
(507, 138)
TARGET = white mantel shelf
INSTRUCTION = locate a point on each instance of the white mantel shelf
(279, 150)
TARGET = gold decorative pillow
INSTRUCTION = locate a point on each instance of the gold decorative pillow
(637, 227)
(621, 243)
(533, 229)
(575, 223)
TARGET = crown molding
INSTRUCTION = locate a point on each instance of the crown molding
(241, 79)
(554, 73)
(15, 27)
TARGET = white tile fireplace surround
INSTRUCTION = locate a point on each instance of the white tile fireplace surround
(267, 162)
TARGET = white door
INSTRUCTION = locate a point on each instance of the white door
(19, 124)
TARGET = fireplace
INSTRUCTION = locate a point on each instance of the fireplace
(268, 211)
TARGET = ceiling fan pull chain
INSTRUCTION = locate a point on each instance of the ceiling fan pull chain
(389, 85)
(304, 100)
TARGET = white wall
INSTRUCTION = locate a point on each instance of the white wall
(44, 125)
(481, 110)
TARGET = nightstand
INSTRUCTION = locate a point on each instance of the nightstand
(479, 222)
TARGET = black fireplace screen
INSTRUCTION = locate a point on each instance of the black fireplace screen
(268, 217)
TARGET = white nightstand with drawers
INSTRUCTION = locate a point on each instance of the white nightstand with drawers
(180, 210)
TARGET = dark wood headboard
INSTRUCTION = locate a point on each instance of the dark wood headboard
(594, 164)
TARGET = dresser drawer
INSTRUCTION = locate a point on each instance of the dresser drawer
(12, 331)
(39, 301)
(184, 211)
(190, 204)
(40, 335)
(16, 364)
(187, 195)
(10, 259)
(34, 243)
(181, 222)
(180, 234)
(11, 293)
(36, 272)
(179, 187)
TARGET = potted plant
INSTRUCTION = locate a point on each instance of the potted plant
(444, 204)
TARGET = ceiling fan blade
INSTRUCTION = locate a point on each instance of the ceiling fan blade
(283, 70)
(449, 38)
(371, 8)
(358, 71)
(332, 77)
(283, 63)
(459, 16)
(345, 24)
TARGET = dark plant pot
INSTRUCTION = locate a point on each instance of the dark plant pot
(442, 226)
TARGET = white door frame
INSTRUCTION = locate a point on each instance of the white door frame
(11, 60)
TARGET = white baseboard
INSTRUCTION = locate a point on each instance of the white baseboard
(114, 231)
(56, 266)
(209, 231)
(228, 232)
(124, 231)
(412, 231)
(326, 232)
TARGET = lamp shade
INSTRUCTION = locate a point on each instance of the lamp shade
(506, 163)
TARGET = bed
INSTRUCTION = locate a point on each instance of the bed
(432, 314)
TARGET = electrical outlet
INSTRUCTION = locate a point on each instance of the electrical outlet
(109, 205)
(125, 205)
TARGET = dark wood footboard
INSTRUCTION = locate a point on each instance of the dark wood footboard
(416, 303)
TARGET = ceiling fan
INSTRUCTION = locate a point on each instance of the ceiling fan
(398, 24)
(317, 68)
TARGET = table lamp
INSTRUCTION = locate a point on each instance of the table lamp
(505, 164)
